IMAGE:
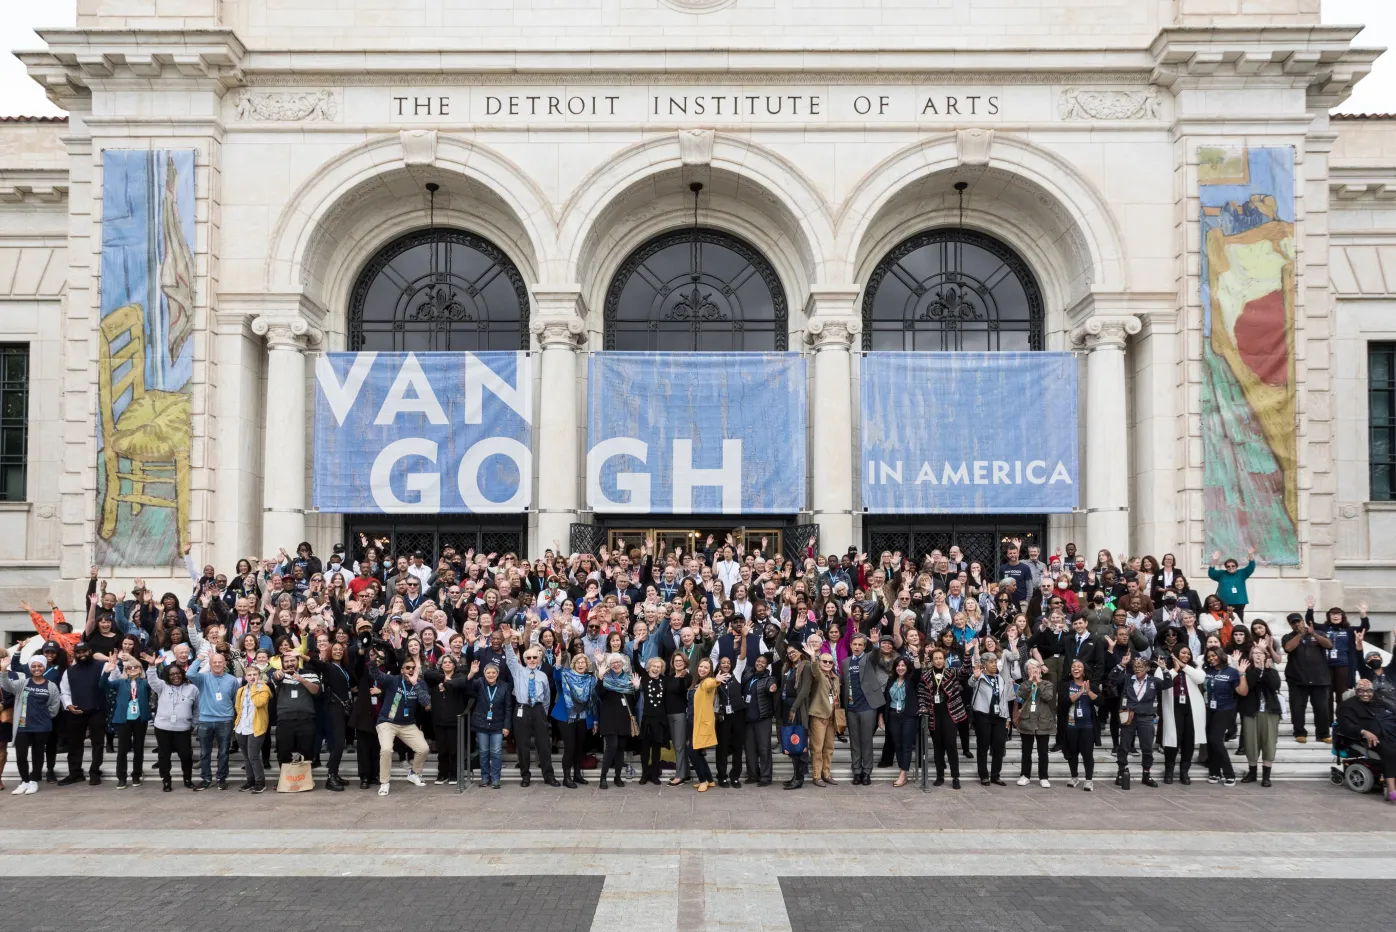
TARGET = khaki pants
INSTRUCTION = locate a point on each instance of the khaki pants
(821, 747)
(411, 736)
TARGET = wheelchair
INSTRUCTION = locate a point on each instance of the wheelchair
(1355, 765)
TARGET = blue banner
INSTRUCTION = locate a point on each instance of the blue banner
(969, 433)
(696, 433)
(423, 432)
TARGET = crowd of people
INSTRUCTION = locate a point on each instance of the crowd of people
(635, 661)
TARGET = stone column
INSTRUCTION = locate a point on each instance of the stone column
(1107, 447)
(560, 329)
(284, 435)
(832, 329)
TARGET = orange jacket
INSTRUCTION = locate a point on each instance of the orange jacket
(49, 632)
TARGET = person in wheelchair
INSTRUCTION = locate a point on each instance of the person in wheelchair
(1371, 720)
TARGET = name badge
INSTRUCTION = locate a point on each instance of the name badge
(1183, 696)
(1212, 704)
(218, 696)
(295, 693)
(940, 697)
(134, 709)
(1032, 707)
(489, 715)
(373, 700)
(1080, 712)
(1333, 654)
(520, 715)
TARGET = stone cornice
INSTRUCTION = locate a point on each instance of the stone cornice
(1357, 185)
(33, 186)
(1318, 58)
(80, 60)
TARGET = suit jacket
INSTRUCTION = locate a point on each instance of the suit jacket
(1143, 707)
(1088, 652)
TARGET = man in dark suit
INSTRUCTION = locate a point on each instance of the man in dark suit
(1138, 708)
(1085, 648)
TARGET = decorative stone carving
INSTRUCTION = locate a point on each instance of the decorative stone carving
(973, 146)
(287, 333)
(559, 332)
(1106, 332)
(832, 332)
(1079, 103)
(418, 146)
(317, 106)
(697, 6)
(696, 146)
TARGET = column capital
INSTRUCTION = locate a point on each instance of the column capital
(287, 333)
(1106, 332)
(559, 332)
(827, 331)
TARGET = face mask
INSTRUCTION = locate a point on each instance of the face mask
(1374, 663)
(1061, 585)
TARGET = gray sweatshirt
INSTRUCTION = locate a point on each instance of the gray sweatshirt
(178, 704)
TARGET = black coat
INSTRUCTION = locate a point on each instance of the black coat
(614, 715)
(1259, 684)
(675, 695)
(448, 697)
(756, 692)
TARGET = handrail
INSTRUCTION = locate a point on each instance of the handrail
(923, 741)
(463, 747)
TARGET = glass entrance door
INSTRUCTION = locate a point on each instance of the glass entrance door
(981, 539)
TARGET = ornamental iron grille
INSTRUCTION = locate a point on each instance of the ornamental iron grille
(983, 540)
(402, 535)
(950, 290)
(696, 289)
(438, 289)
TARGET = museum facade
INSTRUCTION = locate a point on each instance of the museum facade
(246, 192)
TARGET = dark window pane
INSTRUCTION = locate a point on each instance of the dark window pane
(729, 300)
(433, 290)
(955, 290)
(1381, 420)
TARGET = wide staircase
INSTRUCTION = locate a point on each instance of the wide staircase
(1294, 761)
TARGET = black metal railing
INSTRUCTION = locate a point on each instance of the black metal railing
(463, 764)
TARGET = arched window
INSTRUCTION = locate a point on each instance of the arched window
(696, 289)
(952, 289)
(439, 289)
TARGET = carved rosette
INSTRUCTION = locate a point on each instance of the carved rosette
(559, 332)
(833, 332)
(1106, 332)
(287, 334)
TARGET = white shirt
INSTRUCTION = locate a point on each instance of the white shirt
(730, 572)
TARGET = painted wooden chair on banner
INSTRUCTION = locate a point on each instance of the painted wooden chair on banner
(151, 436)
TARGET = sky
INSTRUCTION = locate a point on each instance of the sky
(20, 96)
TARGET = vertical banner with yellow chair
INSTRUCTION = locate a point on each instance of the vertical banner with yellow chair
(145, 356)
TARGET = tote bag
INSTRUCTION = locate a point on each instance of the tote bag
(792, 739)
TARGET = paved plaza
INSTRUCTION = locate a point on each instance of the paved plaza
(1302, 855)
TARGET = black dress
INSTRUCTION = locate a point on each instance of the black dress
(613, 718)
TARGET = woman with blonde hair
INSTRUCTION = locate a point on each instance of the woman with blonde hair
(676, 683)
(703, 721)
(824, 699)
(654, 721)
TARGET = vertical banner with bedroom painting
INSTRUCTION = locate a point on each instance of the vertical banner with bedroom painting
(145, 356)
(1249, 445)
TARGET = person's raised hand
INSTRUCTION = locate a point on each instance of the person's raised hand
(1309, 601)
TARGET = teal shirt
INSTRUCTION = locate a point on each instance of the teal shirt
(1231, 587)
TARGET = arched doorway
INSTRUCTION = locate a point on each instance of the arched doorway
(952, 289)
(696, 289)
(439, 289)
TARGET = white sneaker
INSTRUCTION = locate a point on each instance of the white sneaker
(21, 790)
(413, 779)
(31, 788)
(383, 790)
(1072, 782)
(1045, 784)
(1023, 781)
(1090, 786)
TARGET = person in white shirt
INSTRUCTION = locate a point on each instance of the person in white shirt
(728, 570)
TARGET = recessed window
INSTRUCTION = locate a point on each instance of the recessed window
(1381, 419)
(14, 420)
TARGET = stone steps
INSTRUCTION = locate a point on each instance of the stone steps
(1294, 761)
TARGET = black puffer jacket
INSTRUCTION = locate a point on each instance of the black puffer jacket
(756, 690)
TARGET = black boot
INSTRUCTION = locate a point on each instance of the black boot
(1168, 774)
(578, 779)
(1250, 775)
(1122, 781)
(1265, 776)
(1183, 777)
(1148, 780)
(603, 784)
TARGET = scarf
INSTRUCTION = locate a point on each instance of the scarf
(577, 691)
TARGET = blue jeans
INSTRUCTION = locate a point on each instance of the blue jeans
(208, 731)
(491, 755)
